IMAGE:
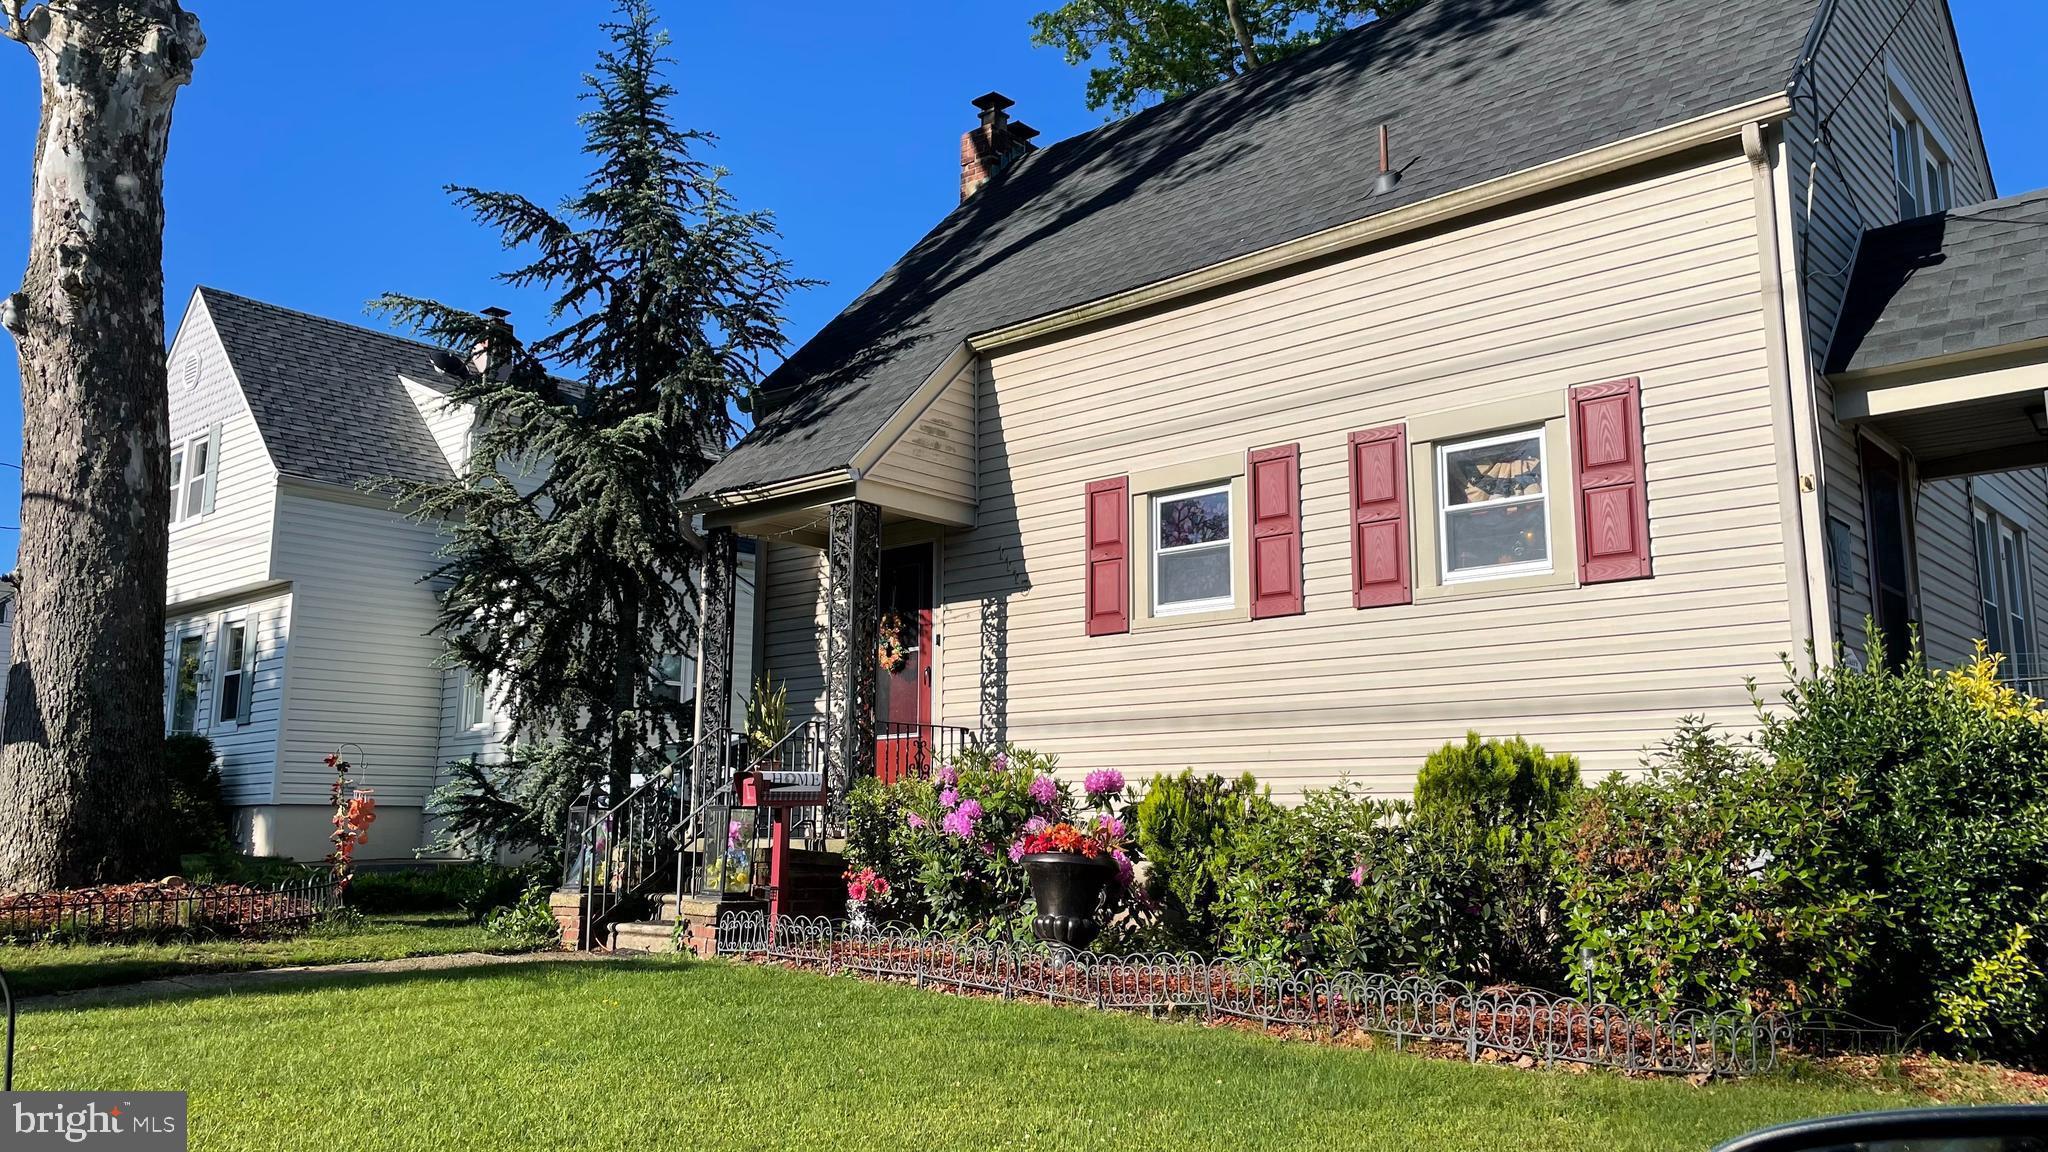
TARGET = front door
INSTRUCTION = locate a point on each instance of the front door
(1884, 504)
(903, 673)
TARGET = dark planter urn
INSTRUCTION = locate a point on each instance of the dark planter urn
(1067, 886)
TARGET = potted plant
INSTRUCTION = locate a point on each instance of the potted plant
(1068, 866)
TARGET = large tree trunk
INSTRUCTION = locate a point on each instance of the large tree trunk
(81, 772)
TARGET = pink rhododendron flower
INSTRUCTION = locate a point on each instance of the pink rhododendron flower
(1016, 850)
(1123, 867)
(1104, 782)
(1358, 876)
(1036, 824)
(1112, 827)
(948, 798)
(1045, 791)
(1001, 762)
(947, 775)
(914, 820)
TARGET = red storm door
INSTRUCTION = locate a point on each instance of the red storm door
(903, 675)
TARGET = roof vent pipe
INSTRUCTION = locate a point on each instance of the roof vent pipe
(1388, 179)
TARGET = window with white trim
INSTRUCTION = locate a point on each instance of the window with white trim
(191, 462)
(188, 658)
(236, 664)
(673, 676)
(473, 711)
(1923, 181)
(1193, 564)
(2003, 591)
(1493, 506)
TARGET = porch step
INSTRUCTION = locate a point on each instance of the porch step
(644, 936)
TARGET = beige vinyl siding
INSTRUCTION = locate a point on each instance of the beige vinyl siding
(793, 624)
(1852, 190)
(937, 453)
(228, 548)
(1656, 279)
(362, 668)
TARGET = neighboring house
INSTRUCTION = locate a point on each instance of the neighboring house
(1197, 441)
(299, 615)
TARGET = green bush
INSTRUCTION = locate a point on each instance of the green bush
(1495, 783)
(1950, 831)
(1717, 879)
(1187, 828)
(528, 924)
(476, 890)
(201, 821)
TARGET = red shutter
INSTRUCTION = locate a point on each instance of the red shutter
(1379, 517)
(1607, 482)
(1276, 531)
(1109, 551)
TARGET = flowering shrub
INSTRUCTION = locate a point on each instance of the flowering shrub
(940, 852)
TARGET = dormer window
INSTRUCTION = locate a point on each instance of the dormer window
(1923, 180)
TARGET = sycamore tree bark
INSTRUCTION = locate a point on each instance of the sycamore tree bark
(81, 776)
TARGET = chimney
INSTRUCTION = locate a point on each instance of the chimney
(480, 358)
(986, 151)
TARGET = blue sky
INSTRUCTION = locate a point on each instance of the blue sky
(308, 156)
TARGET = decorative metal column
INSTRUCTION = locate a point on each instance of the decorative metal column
(714, 654)
(853, 559)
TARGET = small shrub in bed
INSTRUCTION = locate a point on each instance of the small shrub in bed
(475, 890)
(201, 821)
(1187, 827)
(527, 924)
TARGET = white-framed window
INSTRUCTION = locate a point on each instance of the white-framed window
(1923, 181)
(1493, 506)
(2004, 594)
(673, 677)
(1193, 559)
(192, 464)
(181, 694)
(235, 667)
(473, 710)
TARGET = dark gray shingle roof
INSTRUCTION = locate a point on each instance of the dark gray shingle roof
(1473, 90)
(1967, 280)
(326, 395)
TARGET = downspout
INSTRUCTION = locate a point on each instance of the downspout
(1792, 513)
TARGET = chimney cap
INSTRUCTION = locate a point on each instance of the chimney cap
(498, 314)
(1020, 131)
(993, 102)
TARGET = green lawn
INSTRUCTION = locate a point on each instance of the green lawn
(44, 968)
(670, 1054)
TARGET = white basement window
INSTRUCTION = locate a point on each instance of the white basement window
(1493, 507)
(1192, 561)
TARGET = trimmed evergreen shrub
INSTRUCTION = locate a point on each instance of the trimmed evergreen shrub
(1187, 828)
(1495, 783)
(201, 820)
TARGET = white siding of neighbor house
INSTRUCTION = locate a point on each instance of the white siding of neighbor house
(1657, 278)
(363, 662)
(247, 752)
(1851, 192)
(938, 452)
(229, 548)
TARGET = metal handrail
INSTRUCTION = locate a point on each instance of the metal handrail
(637, 867)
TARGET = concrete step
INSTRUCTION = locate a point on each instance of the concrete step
(644, 936)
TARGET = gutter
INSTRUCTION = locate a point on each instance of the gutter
(1792, 483)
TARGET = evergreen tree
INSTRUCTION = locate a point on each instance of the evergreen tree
(569, 571)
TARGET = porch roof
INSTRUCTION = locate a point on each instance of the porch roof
(1943, 340)
(1968, 281)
